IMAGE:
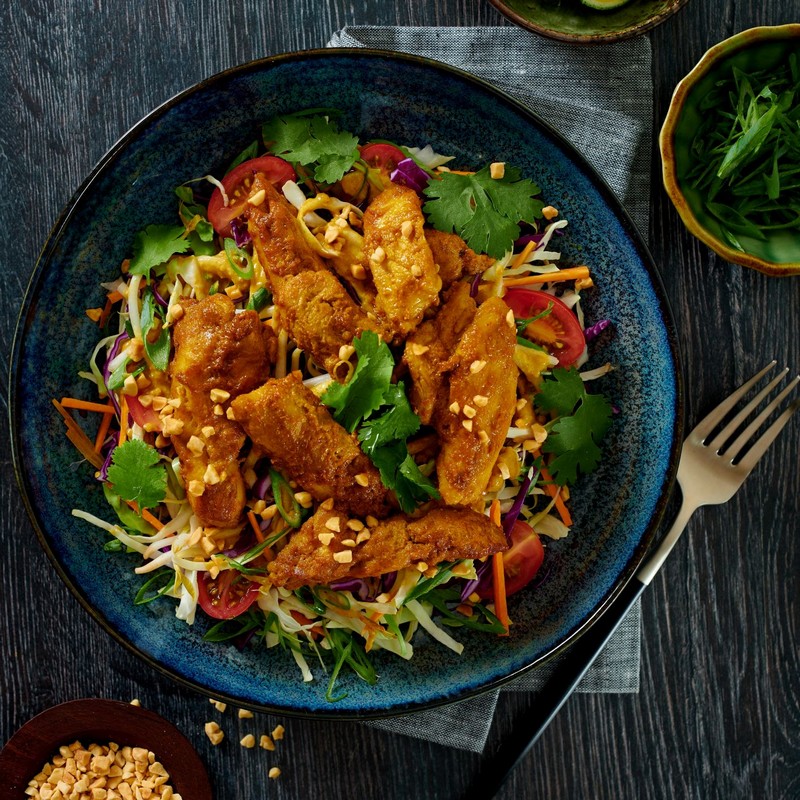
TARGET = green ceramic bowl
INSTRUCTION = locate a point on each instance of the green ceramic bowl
(571, 21)
(757, 48)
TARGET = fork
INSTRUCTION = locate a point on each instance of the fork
(716, 457)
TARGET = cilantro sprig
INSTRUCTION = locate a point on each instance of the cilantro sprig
(306, 138)
(483, 210)
(137, 474)
(380, 410)
(582, 420)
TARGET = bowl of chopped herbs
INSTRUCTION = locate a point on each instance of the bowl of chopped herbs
(730, 149)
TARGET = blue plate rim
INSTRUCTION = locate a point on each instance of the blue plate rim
(611, 200)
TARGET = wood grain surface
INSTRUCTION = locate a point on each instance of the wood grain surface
(718, 714)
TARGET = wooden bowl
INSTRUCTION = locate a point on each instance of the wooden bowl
(94, 721)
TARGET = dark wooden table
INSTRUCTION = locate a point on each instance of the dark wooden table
(718, 714)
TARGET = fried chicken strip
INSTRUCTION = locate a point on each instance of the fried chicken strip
(218, 355)
(312, 305)
(400, 259)
(303, 440)
(453, 256)
(482, 396)
(316, 554)
(430, 347)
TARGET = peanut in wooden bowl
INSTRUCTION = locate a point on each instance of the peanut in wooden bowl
(95, 721)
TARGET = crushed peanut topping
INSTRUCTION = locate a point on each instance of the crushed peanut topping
(245, 714)
(333, 524)
(363, 536)
(469, 412)
(196, 445)
(480, 400)
(130, 387)
(549, 212)
(343, 556)
(248, 741)
(234, 292)
(421, 566)
(467, 424)
(219, 411)
(328, 504)
(407, 228)
(349, 542)
(208, 431)
(174, 312)
(510, 319)
(497, 170)
(277, 732)
(274, 773)
(196, 488)
(476, 366)
(172, 426)
(211, 476)
(379, 256)
(266, 743)
(345, 351)
(258, 198)
(230, 415)
(219, 395)
(455, 407)
(355, 524)
(483, 436)
(358, 272)
(215, 735)
(325, 538)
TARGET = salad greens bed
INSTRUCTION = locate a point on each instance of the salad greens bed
(555, 436)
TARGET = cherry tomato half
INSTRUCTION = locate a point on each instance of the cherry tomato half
(227, 595)
(237, 186)
(141, 415)
(521, 561)
(384, 157)
(558, 331)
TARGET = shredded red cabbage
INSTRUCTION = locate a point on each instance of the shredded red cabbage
(358, 586)
(388, 581)
(484, 575)
(102, 475)
(476, 282)
(240, 233)
(593, 331)
(159, 297)
(512, 515)
(262, 485)
(528, 237)
(112, 354)
(409, 173)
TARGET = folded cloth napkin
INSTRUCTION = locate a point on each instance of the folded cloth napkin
(600, 99)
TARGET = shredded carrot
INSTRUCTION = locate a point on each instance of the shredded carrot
(85, 405)
(499, 576)
(81, 441)
(146, 515)
(255, 526)
(114, 297)
(111, 299)
(573, 273)
(555, 492)
(102, 431)
(460, 172)
(123, 419)
(520, 257)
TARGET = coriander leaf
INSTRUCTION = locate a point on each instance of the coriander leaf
(158, 351)
(574, 439)
(400, 473)
(137, 474)
(485, 211)
(312, 140)
(355, 400)
(561, 392)
(154, 245)
(399, 422)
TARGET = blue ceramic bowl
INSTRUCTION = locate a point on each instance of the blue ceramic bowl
(410, 100)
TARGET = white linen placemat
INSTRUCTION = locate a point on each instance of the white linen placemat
(600, 99)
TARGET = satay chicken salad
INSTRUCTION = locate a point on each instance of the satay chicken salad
(342, 397)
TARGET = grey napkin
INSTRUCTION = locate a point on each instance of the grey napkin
(600, 99)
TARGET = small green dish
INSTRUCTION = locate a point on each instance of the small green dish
(756, 48)
(571, 21)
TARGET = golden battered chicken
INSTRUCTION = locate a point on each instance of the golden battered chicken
(317, 553)
(287, 420)
(430, 346)
(481, 401)
(454, 257)
(320, 316)
(312, 305)
(400, 260)
(218, 354)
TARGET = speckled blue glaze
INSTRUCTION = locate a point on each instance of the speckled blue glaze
(407, 100)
